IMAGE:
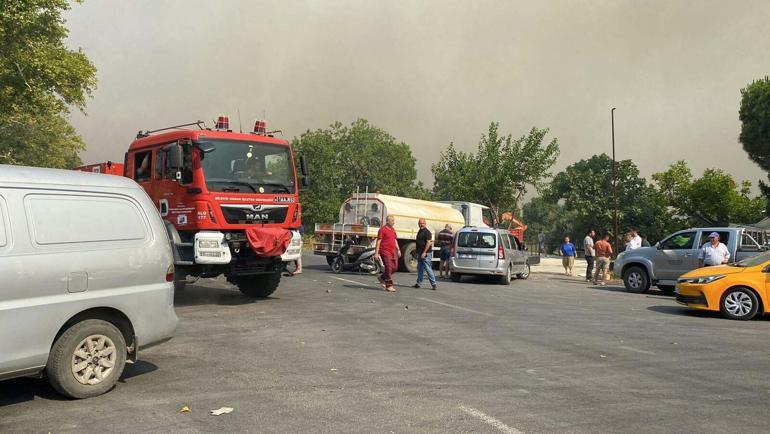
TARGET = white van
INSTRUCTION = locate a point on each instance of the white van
(86, 277)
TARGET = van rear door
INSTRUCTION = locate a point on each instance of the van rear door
(487, 250)
(467, 255)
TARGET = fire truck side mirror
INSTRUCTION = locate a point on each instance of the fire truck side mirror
(173, 156)
(305, 182)
(303, 165)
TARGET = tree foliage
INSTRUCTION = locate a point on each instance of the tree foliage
(754, 114)
(500, 172)
(713, 199)
(343, 158)
(40, 79)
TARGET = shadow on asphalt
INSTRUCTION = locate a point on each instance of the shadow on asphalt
(132, 370)
(200, 295)
(685, 311)
(21, 390)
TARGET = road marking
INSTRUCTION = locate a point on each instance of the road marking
(350, 281)
(454, 307)
(489, 420)
(636, 350)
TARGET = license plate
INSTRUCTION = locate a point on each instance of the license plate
(467, 256)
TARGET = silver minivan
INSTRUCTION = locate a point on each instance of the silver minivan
(86, 277)
(488, 251)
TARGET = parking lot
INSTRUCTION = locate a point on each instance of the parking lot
(335, 353)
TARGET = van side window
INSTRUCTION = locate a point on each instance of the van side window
(3, 224)
(681, 241)
(724, 237)
(142, 166)
(506, 241)
(513, 242)
(69, 219)
(159, 163)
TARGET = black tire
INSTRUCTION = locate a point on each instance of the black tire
(63, 355)
(408, 260)
(179, 285)
(330, 259)
(739, 303)
(259, 286)
(456, 277)
(505, 279)
(377, 268)
(667, 289)
(337, 265)
(525, 274)
(636, 280)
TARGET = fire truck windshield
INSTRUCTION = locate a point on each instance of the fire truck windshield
(249, 167)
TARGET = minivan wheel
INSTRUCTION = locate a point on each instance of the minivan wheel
(636, 280)
(739, 303)
(505, 279)
(456, 277)
(524, 274)
(259, 286)
(87, 359)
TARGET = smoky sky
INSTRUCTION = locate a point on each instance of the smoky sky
(434, 72)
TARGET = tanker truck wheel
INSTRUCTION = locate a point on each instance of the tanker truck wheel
(408, 261)
(259, 286)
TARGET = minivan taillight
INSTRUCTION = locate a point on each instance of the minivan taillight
(170, 273)
(453, 251)
(500, 251)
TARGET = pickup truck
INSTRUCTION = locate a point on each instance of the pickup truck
(677, 254)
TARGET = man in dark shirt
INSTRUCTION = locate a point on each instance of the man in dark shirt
(445, 238)
(424, 255)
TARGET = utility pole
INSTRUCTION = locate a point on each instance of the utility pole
(614, 186)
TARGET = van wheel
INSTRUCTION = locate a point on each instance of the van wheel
(636, 280)
(739, 303)
(179, 285)
(524, 274)
(505, 279)
(408, 261)
(259, 286)
(456, 277)
(667, 289)
(87, 359)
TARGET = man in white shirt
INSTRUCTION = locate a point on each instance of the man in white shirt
(588, 247)
(636, 240)
(713, 252)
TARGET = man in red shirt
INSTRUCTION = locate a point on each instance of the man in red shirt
(387, 249)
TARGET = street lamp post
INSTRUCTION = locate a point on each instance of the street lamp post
(614, 185)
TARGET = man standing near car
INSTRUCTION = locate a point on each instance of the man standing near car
(603, 253)
(425, 255)
(387, 249)
(588, 246)
(713, 252)
(445, 238)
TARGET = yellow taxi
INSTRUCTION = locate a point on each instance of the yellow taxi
(737, 290)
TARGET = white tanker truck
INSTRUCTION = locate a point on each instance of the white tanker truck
(362, 214)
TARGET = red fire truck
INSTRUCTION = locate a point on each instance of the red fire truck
(230, 200)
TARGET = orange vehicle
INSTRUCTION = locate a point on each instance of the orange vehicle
(737, 290)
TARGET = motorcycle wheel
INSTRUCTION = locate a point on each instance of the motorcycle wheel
(377, 268)
(337, 265)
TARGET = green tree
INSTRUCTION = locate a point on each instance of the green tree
(713, 199)
(343, 158)
(754, 114)
(500, 172)
(40, 80)
(585, 190)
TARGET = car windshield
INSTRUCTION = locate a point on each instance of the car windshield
(754, 260)
(476, 239)
(249, 167)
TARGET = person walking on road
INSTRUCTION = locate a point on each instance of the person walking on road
(445, 238)
(603, 251)
(425, 252)
(713, 252)
(588, 247)
(567, 252)
(387, 249)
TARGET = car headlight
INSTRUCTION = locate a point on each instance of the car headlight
(208, 244)
(701, 280)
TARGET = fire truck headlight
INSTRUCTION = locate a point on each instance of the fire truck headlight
(208, 244)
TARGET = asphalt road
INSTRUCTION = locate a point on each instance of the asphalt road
(334, 353)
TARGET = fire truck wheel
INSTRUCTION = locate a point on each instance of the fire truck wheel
(408, 261)
(260, 286)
